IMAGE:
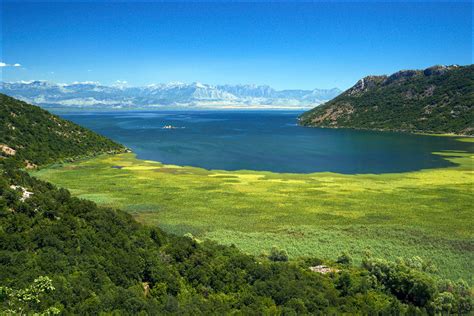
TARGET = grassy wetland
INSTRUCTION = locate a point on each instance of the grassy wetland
(426, 213)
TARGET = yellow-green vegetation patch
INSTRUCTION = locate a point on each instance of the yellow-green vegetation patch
(466, 139)
(98, 198)
(428, 213)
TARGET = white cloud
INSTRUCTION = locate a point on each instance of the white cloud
(2, 64)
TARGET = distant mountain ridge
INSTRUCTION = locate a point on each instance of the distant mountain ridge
(170, 95)
(439, 99)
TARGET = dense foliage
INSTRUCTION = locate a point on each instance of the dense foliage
(39, 137)
(437, 100)
(102, 260)
(62, 254)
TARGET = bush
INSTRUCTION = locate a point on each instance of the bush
(344, 259)
(278, 255)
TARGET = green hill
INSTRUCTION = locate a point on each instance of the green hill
(38, 137)
(60, 254)
(439, 99)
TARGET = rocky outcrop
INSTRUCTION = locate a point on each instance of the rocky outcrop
(366, 84)
(7, 150)
(438, 70)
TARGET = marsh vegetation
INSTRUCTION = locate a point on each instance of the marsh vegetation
(426, 213)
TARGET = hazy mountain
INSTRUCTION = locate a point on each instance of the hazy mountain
(170, 95)
(439, 99)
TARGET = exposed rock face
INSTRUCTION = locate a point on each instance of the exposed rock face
(439, 99)
(25, 194)
(323, 269)
(7, 150)
(30, 165)
(401, 75)
(438, 70)
(365, 84)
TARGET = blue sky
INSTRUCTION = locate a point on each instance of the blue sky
(285, 45)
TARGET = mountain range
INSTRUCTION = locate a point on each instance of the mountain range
(170, 95)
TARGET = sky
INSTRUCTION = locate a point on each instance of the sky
(287, 45)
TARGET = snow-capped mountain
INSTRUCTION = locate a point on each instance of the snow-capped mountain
(170, 95)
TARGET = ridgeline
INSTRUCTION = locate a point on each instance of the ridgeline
(439, 99)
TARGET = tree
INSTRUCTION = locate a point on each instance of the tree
(27, 301)
(443, 303)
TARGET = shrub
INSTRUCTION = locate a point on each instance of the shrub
(278, 254)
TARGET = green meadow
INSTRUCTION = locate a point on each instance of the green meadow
(427, 213)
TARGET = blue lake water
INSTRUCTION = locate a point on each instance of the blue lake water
(265, 140)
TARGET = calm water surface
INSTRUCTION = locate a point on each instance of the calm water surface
(264, 140)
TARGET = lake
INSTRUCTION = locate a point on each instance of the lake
(264, 140)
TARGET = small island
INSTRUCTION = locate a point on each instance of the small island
(171, 127)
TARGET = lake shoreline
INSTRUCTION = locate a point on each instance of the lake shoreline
(265, 141)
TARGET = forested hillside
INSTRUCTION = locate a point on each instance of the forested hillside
(60, 254)
(35, 136)
(439, 99)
